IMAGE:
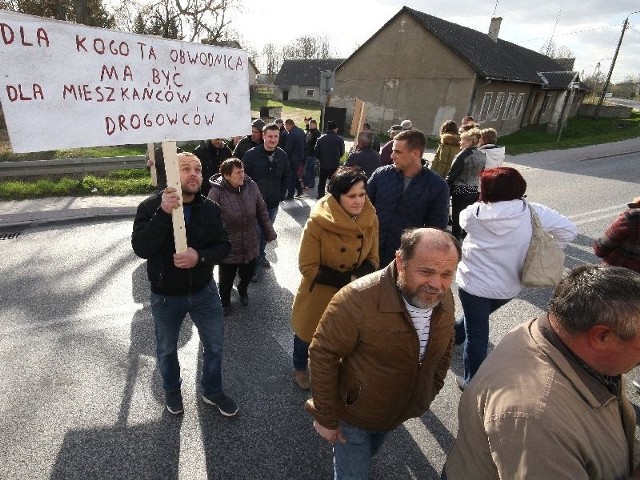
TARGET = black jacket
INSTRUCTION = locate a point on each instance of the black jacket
(211, 158)
(152, 238)
(313, 134)
(272, 177)
(329, 149)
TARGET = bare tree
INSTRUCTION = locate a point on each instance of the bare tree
(308, 46)
(271, 60)
(553, 50)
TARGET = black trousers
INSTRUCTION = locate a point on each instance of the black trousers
(325, 174)
(226, 276)
(458, 203)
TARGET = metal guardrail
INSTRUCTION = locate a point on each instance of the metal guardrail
(56, 166)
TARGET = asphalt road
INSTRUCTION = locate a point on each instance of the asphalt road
(82, 398)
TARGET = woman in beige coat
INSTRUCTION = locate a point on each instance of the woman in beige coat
(339, 244)
(448, 148)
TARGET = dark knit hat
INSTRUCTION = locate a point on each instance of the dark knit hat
(258, 123)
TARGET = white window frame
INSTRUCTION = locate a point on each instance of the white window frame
(545, 104)
(310, 92)
(498, 105)
(507, 106)
(486, 103)
(518, 108)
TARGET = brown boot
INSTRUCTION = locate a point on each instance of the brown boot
(302, 379)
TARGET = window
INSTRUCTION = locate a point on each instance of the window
(519, 104)
(545, 104)
(507, 106)
(484, 109)
(310, 92)
(498, 105)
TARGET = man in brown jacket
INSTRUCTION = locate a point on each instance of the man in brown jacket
(382, 349)
(549, 402)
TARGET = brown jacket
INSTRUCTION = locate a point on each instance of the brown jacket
(332, 249)
(449, 147)
(364, 357)
(240, 209)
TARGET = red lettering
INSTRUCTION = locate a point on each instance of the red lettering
(23, 41)
(80, 43)
(7, 34)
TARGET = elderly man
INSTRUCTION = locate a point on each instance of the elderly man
(407, 194)
(382, 349)
(183, 282)
(548, 402)
(364, 155)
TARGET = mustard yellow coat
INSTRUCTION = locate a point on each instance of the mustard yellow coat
(333, 246)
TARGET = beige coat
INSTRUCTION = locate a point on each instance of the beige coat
(333, 247)
(532, 411)
(449, 147)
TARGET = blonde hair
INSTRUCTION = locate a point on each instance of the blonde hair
(473, 135)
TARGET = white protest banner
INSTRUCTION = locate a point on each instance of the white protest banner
(65, 85)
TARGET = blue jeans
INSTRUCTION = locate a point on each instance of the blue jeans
(300, 353)
(473, 329)
(205, 310)
(263, 239)
(352, 460)
(310, 172)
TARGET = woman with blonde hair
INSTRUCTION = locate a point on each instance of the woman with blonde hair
(464, 177)
(339, 244)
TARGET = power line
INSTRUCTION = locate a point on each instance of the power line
(570, 33)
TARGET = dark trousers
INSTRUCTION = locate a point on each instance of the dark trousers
(458, 203)
(295, 183)
(226, 276)
(300, 353)
(325, 174)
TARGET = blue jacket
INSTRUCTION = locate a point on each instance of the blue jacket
(367, 159)
(425, 203)
(294, 146)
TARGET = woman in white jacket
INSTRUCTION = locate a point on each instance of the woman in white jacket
(498, 230)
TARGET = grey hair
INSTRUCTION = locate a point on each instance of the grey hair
(365, 138)
(437, 240)
(598, 295)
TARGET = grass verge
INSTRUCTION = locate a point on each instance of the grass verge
(118, 183)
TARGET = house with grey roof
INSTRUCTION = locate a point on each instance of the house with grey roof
(429, 70)
(299, 79)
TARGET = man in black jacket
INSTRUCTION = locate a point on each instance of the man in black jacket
(329, 150)
(183, 282)
(211, 154)
(268, 166)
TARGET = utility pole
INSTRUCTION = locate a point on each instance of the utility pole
(613, 63)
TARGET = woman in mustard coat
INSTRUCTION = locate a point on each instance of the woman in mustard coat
(339, 244)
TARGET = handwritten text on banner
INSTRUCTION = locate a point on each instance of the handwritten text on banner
(65, 85)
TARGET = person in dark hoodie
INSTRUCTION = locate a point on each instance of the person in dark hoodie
(250, 141)
(241, 204)
(211, 154)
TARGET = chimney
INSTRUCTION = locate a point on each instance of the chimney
(494, 28)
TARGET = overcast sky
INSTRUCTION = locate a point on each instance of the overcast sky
(590, 28)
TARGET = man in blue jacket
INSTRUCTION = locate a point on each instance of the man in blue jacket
(183, 282)
(407, 194)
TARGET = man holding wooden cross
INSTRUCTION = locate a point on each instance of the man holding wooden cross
(183, 282)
